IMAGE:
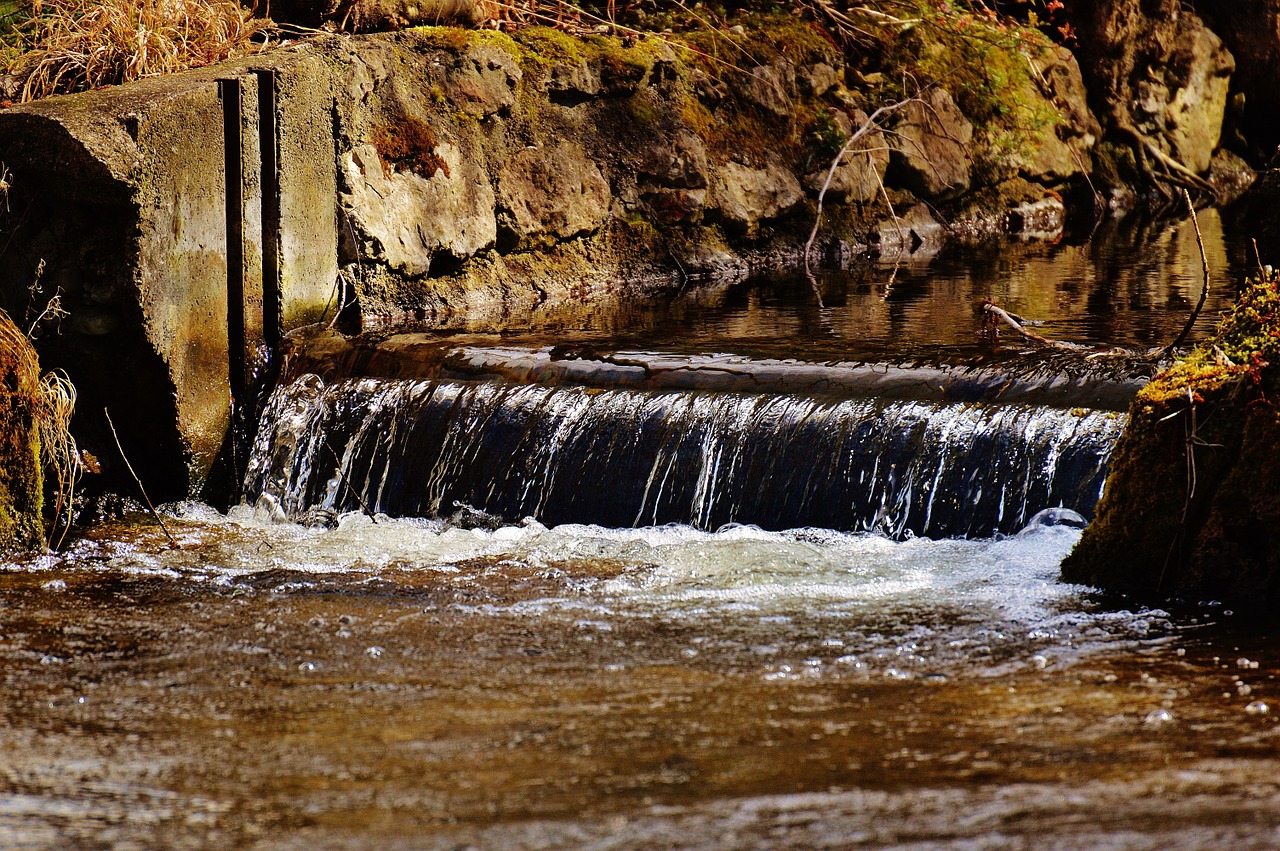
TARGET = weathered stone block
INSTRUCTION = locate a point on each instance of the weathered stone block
(404, 219)
(930, 146)
(746, 196)
(551, 194)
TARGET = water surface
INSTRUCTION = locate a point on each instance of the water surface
(416, 683)
(403, 684)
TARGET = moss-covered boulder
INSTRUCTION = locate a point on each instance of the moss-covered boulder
(1191, 507)
(20, 474)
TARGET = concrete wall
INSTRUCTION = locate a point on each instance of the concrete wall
(122, 194)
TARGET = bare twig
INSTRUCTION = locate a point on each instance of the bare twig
(1204, 290)
(143, 490)
(870, 124)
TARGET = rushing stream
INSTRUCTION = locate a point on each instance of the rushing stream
(530, 611)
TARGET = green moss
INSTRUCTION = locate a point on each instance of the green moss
(983, 62)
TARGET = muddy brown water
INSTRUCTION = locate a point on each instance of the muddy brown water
(406, 684)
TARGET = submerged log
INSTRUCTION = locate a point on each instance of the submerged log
(1191, 507)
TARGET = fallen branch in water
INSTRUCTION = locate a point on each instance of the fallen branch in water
(1204, 289)
(993, 314)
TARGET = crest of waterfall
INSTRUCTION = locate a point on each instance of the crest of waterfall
(638, 458)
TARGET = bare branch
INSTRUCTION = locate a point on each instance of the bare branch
(1204, 289)
(870, 124)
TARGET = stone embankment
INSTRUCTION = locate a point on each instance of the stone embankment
(467, 178)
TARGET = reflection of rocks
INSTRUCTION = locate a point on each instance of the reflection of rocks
(930, 146)
(1043, 219)
(1229, 175)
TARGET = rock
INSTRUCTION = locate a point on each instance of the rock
(1043, 219)
(915, 233)
(773, 87)
(1195, 112)
(861, 172)
(677, 162)
(817, 79)
(1153, 537)
(1230, 176)
(21, 477)
(405, 219)
(483, 80)
(546, 195)
(929, 151)
(1155, 68)
(1251, 31)
(1064, 150)
(746, 196)
(576, 79)
(673, 177)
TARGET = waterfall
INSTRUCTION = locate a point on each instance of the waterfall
(629, 457)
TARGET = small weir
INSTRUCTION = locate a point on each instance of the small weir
(626, 457)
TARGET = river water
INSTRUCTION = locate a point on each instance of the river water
(417, 682)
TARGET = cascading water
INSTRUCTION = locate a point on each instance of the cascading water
(639, 458)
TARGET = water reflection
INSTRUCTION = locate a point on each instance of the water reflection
(1132, 286)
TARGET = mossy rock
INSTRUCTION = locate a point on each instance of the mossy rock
(21, 485)
(1191, 507)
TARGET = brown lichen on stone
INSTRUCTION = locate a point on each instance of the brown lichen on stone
(411, 146)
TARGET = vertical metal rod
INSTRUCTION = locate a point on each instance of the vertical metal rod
(230, 92)
(268, 142)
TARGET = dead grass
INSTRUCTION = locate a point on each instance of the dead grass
(74, 45)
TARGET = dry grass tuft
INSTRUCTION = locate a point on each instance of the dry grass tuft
(74, 45)
(58, 449)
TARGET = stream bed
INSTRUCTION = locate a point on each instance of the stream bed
(479, 681)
